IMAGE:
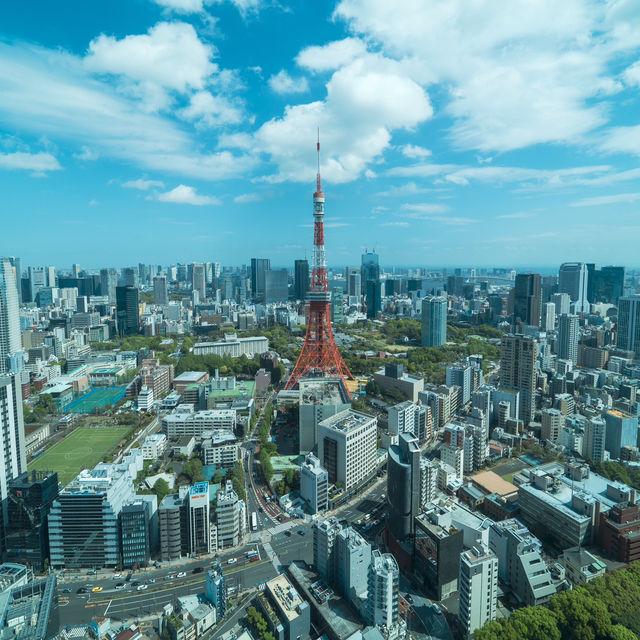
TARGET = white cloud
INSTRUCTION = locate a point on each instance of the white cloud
(247, 198)
(86, 154)
(623, 139)
(283, 83)
(604, 200)
(425, 208)
(169, 57)
(366, 100)
(533, 73)
(414, 151)
(331, 56)
(50, 93)
(631, 75)
(142, 184)
(395, 224)
(408, 189)
(29, 161)
(210, 110)
(183, 194)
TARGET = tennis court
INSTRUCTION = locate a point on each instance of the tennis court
(96, 398)
(81, 449)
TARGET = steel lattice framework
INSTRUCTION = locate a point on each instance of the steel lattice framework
(319, 355)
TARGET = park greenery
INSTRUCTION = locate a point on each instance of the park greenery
(259, 625)
(237, 477)
(226, 365)
(618, 471)
(606, 609)
(290, 482)
(45, 406)
(192, 469)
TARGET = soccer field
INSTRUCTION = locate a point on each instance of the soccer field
(96, 398)
(83, 448)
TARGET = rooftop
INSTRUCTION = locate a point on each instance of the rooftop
(322, 391)
(190, 376)
(348, 420)
(491, 482)
(287, 598)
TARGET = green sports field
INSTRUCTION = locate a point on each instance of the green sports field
(82, 449)
(96, 398)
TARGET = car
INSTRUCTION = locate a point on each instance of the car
(92, 572)
(300, 532)
(409, 598)
(151, 580)
(96, 590)
(117, 574)
(260, 509)
(66, 590)
(279, 518)
(82, 590)
(436, 608)
(135, 583)
(182, 574)
(232, 560)
(170, 577)
(287, 533)
(142, 587)
(198, 570)
(120, 585)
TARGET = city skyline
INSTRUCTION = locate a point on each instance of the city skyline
(151, 129)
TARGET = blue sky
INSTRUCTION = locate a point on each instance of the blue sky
(453, 133)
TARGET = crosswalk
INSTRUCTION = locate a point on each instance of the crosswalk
(280, 528)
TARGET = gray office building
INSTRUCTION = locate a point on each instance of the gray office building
(434, 321)
(258, 268)
(276, 285)
(628, 337)
(568, 337)
(84, 526)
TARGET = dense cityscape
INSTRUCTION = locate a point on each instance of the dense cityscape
(227, 413)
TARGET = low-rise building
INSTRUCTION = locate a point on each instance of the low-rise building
(232, 346)
(582, 566)
(193, 423)
(219, 448)
(154, 446)
(291, 612)
(393, 377)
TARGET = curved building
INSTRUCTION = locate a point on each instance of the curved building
(403, 486)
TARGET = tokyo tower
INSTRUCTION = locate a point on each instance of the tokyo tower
(319, 355)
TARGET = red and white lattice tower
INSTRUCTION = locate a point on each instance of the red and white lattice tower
(319, 355)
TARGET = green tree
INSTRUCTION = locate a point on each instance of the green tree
(161, 489)
(532, 623)
(218, 477)
(618, 632)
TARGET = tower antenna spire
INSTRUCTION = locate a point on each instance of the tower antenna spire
(319, 185)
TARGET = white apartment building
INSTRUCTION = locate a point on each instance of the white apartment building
(478, 587)
(232, 346)
(219, 447)
(314, 484)
(454, 457)
(347, 447)
(193, 423)
(154, 446)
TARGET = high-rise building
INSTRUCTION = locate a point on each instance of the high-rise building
(605, 284)
(552, 423)
(337, 306)
(353, 557)
(130, 277)
(108, 284)
(37, 280)
(434, 321)
(127, 310)
(403, 486)
(301, 279)
(478, 588)
(314, 484)
(383, 580)
(17, 273)
(199, 538)
(628, 336)
(325, 532)
(84, 525)
(258, 268)
(527, 299)
(10, 339)
(347, 447)
(562, 301)
(548, 316)
(229, 516)
(173, 524)
(27, 535)
(354, 282)
(518, 371)
(594, 439)
(461, 375)
(135, 523)
(374, 297)
(573, 279)
(370, 269)
(568, 337)
(160, 291)
(198, 280)
(276, 285)
(621, 431)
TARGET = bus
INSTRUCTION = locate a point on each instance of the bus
(253, 556)
(254, 521)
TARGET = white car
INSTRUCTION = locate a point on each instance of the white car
(142, 587)
(182, 574)
(232, 560)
